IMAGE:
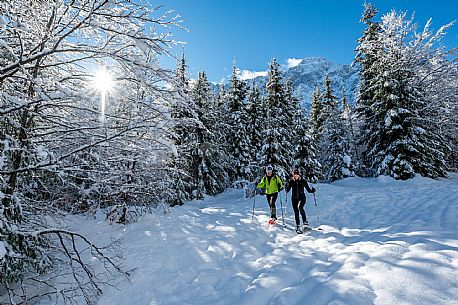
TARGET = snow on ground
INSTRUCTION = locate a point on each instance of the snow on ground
(383, 242)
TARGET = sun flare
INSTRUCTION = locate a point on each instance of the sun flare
(103, 80)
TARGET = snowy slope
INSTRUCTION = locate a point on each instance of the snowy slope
(384, 242)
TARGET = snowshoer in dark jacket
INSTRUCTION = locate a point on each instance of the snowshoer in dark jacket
(297, 185)
(273, 184)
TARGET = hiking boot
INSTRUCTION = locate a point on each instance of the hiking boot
(307, 226)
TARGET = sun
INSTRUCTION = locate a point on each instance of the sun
(103, 80)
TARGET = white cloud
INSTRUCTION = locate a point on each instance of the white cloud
(293, 62)
(245, 74)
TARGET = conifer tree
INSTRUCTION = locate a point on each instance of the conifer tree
(208, 175)
(347, 115)
(329, 100)
(184, 123)
(255, 126)
(181, 71)
(275, 134)
(349, 125)
(304, 156)
(337, 162)
(449, 123)
(289, 107)
(368, 46)
(400, 125)
(222, 96)
(316, 110)
(286, 121)
(239, 149)
(335, 157)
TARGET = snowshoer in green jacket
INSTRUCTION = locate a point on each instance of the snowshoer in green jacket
(273, 185)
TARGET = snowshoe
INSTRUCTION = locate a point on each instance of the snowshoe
(298, 230)
(272, 221)
(307, 227)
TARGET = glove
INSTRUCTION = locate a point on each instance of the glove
(313, 189)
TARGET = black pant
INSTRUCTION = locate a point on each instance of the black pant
(298, 206)
(271, 198)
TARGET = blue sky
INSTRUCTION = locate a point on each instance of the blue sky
(254, 31)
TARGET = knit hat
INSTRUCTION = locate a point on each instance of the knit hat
(269, 168)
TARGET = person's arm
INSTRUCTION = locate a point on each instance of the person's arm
(262, 184)
(288, 186)
(309, 189)
(280, 183)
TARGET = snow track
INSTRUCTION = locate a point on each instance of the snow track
(384, 242)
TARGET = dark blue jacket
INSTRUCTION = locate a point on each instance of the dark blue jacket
(297, 187)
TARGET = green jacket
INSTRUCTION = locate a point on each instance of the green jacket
(272, 185)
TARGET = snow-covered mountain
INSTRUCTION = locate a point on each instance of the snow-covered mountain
(308, 73)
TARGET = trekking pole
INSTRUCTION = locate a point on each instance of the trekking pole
(317, 216)
(286, 202)
(281, 206)
(254, 204)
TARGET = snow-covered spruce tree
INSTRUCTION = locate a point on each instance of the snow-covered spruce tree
(238, 145)
(437, 77)
(450, 122)
(368, 46)
(276, 148)
(304, 147)
(207, 151)
(406, 109)
(328, 103)
(57, 150)
(184, 122)
(289, 107)
(256, 112)
(286, 121)
(181, 73)
(315, 117)
(336, 160)
(348, 115)
(220, 131)
(329, 100)
(222, 96)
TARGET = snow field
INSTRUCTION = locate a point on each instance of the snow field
(383, 242)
